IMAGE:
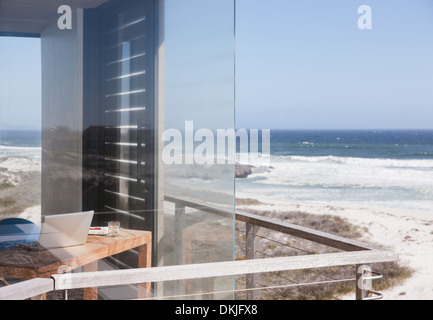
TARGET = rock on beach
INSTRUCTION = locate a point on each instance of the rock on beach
(243, 170)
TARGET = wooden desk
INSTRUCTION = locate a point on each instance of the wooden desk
(23, 263)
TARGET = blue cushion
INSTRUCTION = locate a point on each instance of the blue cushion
(15, 221)
(14, 231)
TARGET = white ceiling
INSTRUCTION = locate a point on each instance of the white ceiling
(33, 16)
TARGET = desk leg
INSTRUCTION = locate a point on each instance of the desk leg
(144, 261)
(91, 293)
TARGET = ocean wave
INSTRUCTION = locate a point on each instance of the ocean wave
(377, 162)
(2, 147)
(34, 153)
(306, 143)
(385, 162)
(385, 169)
(338, 173)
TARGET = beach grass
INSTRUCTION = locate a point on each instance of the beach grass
(7, 202)
(15, 198)
(6, 185)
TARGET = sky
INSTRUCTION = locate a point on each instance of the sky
(306, 65)
(20, 83)
(299, 65)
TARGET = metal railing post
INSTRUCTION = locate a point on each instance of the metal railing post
(179, 225)
(363, 283)
(252, 242)
(364, 286)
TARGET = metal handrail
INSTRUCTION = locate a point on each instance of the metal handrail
(67, 281)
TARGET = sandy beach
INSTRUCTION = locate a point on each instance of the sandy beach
(407, 232)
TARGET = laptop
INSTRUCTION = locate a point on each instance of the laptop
(65, 230)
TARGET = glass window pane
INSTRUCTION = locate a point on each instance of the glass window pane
(117, 77)
(20, 131)
(198, 153)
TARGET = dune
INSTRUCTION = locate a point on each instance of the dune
(20, 188)
(409, 233)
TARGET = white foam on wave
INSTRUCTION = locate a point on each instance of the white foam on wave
(396, 182)
(404, 163)
(20, 148)
(29, 152)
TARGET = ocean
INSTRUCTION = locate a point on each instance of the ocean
(20, 143)
(363, 168)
